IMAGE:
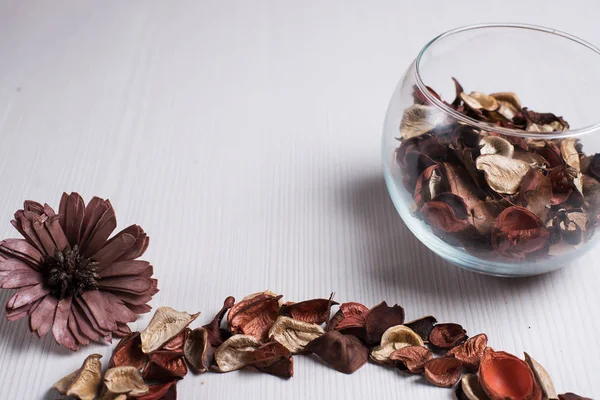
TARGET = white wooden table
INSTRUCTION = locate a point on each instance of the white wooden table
(244, 137)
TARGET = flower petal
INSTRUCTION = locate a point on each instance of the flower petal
(44, 235)
(75, 331)
(13, 264)
(20, 278)
(42, 318)
(27, 295)
(25, 227)
(57, 233)
(18, 313)
(118, 309)
(75, 209)
(132, 298)
(129, 284)
(94, 300)
(22, 250)
(60, 331)
(100, 230)
(114, 248)
(90, 318)
(33, 206)
(122, 330)
(139, 309)
(82, 322)
(138, 248)
(120, 268)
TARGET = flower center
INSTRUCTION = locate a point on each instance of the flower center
(68, 273)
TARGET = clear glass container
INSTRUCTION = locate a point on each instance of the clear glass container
(486, 184)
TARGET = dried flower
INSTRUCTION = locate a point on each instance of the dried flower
(471, 351)
(542, 377)
(127, 380)
(443, 372)
(83, 383)
(422, 326)
(380, 318)
(71, 279)
(504, 376)
(395, 338)
(447, 336)
(411, 358)
(344, 353)
(293, 334)
(164, 325)
(314, 311)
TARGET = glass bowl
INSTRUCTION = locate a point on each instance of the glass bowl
(499, 173)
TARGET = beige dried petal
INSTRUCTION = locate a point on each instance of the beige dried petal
(579, 218)
(542, 377)
(578, 182)
(503, 174)
(294, 334)
(534, 160)
(125, 379)
(83, 383)
(471, 101)
(496, 145)
(164, 325)
(551, 127)
(236, 352)
(197, 350)
(569, 153)
(253, 295)
(419, 119)
(508, 104)
(435, 183)
(487, 102)
(395, 338)
(471, 388)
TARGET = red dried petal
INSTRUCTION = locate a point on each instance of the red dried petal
(504, 376)
(128, 352)
(275, 359)
(447, 336)
(443, 372)
(471, 351)
(380, 318)
(257, 318)
(518, 232)
(411, 358)
(165, 366)
(216, 335)
(314, 311)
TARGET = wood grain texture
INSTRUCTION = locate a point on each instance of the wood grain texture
(244, 138)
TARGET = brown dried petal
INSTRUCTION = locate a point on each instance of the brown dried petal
(216, 335)
(503, 174)
(419, 119)
(504, 376)
(470, 388)
(236, 352)
(571, 396)
(175, 345)
(542, 377)
(443, 372)
(447, 336)
(442, 216)
(518, 232)
(536, 193)
(496, 145)
(394, 338)
(161, 391)
(422, 326)
(198, 351)
(293, 334)
(274, 359)
(344, 353)
(126, 380)
(129, 353)
(570, 154)
(256, 318)
(471, 351)
(165, 366)
(534, 160)
(164, 325)
(411, 358)
(83, 383)
(350, 315)
(314, 311)
(380, 318)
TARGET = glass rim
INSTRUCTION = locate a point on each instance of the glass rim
(485, 125)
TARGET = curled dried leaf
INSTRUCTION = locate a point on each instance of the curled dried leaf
(419, 119)
(350, 319)
(380, 318)
(164, 325)
(496, 145)
(165, 366)
(509, 104)
(256, 318)
(236, 352)
(293, 334)
(129, 353)
(394, 338)
(470, 389)
(536, 193)
(542, 377)
(518, 232)
(504, 376)
(570, 154)
(471, 351)
(161, 391)
(571, 396)
(83, 383)
(175, 345)
(503, 174)
(534, 160)
(486, 101)
(422, 326)
(216, 335)
(443, 372)
(274, 359)
(447, 336)
(314, 311)
(126, 380)
(442, 216)
(344, 353)
(198, 351)
(411, 358)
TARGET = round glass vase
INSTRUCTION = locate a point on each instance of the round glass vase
(487, 184)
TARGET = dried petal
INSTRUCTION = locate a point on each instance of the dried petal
(314, 311)
(542, 377)
(165, 366)
(236, 352)
(422, 326)
(570, 154)
(164, 325)
(419, 119)
(471, 351)
(129, 353)
(496, 145)
(216, 335)
(411, 358)
(443, 372)
(470, 389)
(536, 193)
(198, 351)
(274, 359)
(161, 391)
(442, 216)
(293, 334)
(504, 376)
(534, 160)
(380, 318)
(571, 396)
(175, 345)
(344, 353)
(518, 232)
(126, 380)
(256, 318)
(393, 339)
(508, 104)
(503, 174)
(83, 383)
(447, 336)
(486, 101)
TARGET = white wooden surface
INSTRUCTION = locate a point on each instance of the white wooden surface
(244, 137)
